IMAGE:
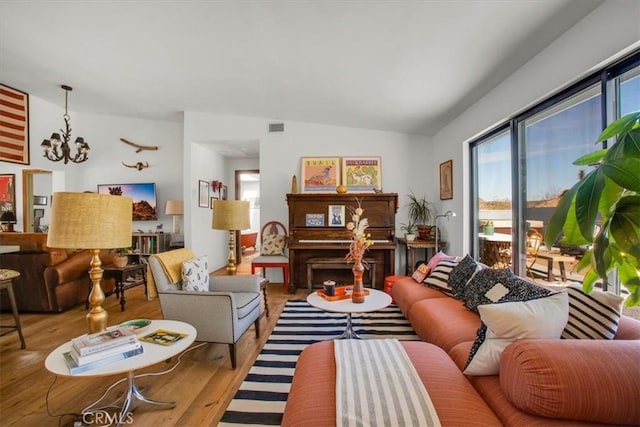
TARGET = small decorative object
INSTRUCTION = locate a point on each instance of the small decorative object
(138, 146)
(136, 325)
(121, 260)
(362, 174)
(360, 243)
(446, 180)
(138, 165)
(341, 189)
(320, 174)
(488, 228)
(329, 287)
(314, 220)
(294, 185)
(336, 216)
(410, 230)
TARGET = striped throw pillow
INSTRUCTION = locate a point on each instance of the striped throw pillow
(438, 278)
(592, 316)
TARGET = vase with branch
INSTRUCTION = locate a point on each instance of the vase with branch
(360, 243)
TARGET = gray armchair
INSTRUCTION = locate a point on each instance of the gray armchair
(221, 315)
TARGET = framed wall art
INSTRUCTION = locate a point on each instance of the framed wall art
(40, 200)
(320, 174)
(203, 194)
(446, 180)
(336, 216)
(14, 126)
(362, 174)
(314, 220)
(213, 199)
(8, 193)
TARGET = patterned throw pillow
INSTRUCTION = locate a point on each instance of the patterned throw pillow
(439, 277)
(491, 286)
(195, 275)
(421, 272)
(591, 316)
(506, 322)
(435, 260)
(273, 244)
(461, 274)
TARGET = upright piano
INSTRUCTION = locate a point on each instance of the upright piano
(312, 234)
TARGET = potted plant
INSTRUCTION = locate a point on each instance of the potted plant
(603, 210)
(420, 213)
(409, 229)
(121, 259)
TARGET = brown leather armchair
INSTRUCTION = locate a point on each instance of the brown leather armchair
(51, 280)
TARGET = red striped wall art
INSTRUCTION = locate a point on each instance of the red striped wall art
(14, 125)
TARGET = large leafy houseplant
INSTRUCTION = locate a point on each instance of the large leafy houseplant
(603, 210)
(420, 213)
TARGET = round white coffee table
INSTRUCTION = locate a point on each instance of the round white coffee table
(372, 302)
(153, 353)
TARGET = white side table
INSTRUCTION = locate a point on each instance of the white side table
(372, 302)
(153, 353)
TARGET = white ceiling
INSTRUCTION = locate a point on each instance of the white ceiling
(405, 66)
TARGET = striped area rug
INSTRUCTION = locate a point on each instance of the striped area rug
(261, 399)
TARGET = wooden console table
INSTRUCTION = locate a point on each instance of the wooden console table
(336, 264)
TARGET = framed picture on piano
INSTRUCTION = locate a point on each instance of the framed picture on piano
(336, 216)
(314, 220)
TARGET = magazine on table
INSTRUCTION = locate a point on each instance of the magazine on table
(93, 343)
(74, 368)
(92, 357)
(163, 337)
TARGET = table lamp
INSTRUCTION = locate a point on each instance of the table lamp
(448, 215)
(175, 208)
(231, 215)
(91, 221)
(7, 219)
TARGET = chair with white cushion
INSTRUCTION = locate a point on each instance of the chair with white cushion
(273, 240)
(221, 308)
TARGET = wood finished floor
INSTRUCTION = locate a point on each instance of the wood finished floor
(202, 385)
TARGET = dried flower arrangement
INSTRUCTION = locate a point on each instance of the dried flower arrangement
(360, 239)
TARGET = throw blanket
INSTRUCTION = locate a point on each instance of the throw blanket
(377, 385)
(171, 262)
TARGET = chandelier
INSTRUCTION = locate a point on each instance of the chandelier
(56, 149)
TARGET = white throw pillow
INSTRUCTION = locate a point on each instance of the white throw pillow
(506, 322)
(195, 275)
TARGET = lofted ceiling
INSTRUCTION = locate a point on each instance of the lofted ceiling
(402, 66)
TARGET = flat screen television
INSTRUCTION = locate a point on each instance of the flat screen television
(143, 195)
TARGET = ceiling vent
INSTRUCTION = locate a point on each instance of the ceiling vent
(276, 127)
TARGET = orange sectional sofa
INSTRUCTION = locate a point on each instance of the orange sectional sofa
(541, 382)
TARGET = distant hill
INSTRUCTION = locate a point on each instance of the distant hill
(143, 211)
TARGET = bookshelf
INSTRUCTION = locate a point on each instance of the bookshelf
(146, 244)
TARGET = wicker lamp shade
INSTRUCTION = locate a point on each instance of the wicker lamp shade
(90, 221)
(230, 215)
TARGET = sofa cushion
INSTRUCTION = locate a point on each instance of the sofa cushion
(435, 260)
(438, 277)
(574, 379)
(421, 273)
(461, 274)
(595, 315)
(504, 323)
(195, 275)
(490, 286)
(406, 292)
(443, 322)
(273, 244)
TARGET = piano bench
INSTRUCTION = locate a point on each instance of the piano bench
(336, 264)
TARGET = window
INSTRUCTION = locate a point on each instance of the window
(521, 169)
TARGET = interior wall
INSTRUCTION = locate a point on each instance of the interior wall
(606, 33)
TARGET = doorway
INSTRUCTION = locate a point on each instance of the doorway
(247, 188)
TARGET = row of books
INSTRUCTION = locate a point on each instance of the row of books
(96, 350)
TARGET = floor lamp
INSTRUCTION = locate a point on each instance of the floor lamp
(91, 221)
(448, 215)
(231, 215)
(175, 208)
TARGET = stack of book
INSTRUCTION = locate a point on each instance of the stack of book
(97, 350)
